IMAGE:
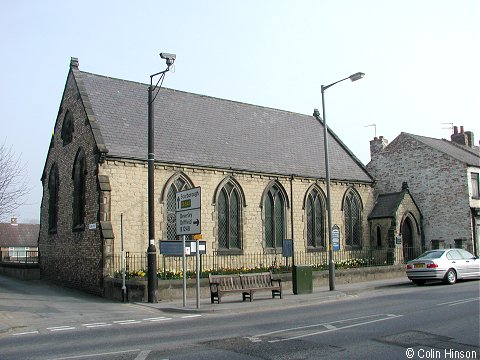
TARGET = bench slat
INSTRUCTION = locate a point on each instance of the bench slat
(247, 284)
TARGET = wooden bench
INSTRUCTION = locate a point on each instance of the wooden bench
(247, 284)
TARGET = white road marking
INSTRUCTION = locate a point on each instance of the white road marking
(328, 327)
(161, 318)
(458, 302)
(389, 317)
(60, 328)
(97, 354)
(94, 325)
(143, 355)
(26, 333)
(127, 322)
(103, 324)
(190, 316)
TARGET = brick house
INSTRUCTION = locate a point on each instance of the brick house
(443, 176)
(261, 171)
(18, 241)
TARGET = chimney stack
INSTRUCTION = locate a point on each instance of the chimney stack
(470, 138)
(463, 137)
(377, 145)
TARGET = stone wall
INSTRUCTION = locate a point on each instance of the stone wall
(128, 181)
(72, 258)
(436, 181)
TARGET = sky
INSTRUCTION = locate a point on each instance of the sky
(420, 58)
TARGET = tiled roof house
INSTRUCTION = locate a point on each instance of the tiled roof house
(16, 239)
(442, 175)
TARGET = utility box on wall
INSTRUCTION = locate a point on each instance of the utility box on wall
(302, 279)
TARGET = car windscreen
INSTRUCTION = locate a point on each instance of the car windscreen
(434, 254)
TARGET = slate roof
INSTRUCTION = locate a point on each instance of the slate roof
(194, 129)
(465, 154)
(19, 235)
(386, 205)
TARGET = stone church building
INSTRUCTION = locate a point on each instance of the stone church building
(261, 173)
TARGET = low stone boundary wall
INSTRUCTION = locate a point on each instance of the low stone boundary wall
(173, 289)
(23, 271)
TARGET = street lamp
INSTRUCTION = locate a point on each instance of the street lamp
(151, 250)
(331, 264)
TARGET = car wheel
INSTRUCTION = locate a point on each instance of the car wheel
(451, 277)
(419, 282)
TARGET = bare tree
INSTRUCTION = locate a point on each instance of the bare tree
(13, 182)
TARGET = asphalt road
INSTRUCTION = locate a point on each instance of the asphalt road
(397, 320)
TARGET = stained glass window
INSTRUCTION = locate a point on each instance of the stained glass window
(53, 199)
(78, 176)
(179, 184)
(274, 210)
(229, 211)
(352, 214)
(315, 219)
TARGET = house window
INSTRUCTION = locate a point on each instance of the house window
(352, 213)
(274, 209)
(229, 217)
(78, 176)
(178, 184)
(315, 210)
(475, 185)
(53, 199)
(67, 128)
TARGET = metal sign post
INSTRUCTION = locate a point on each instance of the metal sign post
(189, 222)
(184, 270)
(198, 272)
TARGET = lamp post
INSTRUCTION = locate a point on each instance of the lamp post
(151, 250)
(331, 264)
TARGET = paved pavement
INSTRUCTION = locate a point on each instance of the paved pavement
(263, 300)
(27, 303)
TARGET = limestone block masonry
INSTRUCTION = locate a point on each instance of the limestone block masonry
(128, 181)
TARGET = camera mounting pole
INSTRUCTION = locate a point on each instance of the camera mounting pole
(151, 250)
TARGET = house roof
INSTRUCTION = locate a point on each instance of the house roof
(200, 130)
(386, 205)
(19, 235)
(463, 153)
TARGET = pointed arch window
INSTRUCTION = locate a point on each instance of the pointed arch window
(78, 177)
(229, 215)
(67, 128)
(179, 183)
(53, 186)
(352, 213)
(274, 210)
(315, 211)
(379, 237)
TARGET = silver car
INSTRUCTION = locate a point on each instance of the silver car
(443, 264)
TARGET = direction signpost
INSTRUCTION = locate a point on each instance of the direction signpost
(189, 222)
(188, 212)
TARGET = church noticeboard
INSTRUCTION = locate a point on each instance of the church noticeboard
(335, 238)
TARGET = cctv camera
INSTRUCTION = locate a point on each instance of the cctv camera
(168, 56)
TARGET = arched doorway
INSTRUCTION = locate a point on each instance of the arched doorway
(407, 240)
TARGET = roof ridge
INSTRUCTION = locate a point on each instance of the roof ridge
(465, 148)
(197, 94)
